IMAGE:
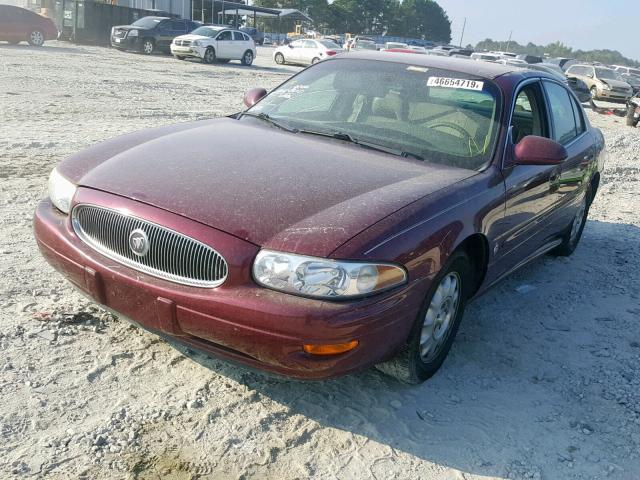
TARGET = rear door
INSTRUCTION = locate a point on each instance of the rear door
(570, 129)
(240, 45)
(309, 51)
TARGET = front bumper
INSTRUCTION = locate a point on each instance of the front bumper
(613, 96)
(191, 51)
(126, 43)
(238, 320)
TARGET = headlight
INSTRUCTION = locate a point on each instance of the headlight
(606, 87)
(196, 43)
(324, 278)
(61, 191)
(132, 33)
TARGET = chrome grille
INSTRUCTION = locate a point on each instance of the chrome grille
(171, 255)
(183, 43)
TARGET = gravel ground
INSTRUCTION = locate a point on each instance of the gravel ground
(542, 382)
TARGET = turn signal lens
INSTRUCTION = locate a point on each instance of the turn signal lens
(332, 349)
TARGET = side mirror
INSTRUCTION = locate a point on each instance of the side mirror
(534, 150)
(253, 96)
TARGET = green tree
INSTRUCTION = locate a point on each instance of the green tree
(422, 19)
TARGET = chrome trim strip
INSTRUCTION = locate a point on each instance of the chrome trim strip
(201, 258)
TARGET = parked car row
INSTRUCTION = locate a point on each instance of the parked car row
(306, 52)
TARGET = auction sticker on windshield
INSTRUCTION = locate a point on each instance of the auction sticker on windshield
(454, 83)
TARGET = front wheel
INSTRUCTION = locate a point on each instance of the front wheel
(36, 38)
(209, 55)
(148, 46)
(247, 58)
(436, 326)
(594, 93)
(279, 58)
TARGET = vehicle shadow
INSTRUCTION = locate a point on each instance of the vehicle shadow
(508, 400)
(45, 49)
(288, 70)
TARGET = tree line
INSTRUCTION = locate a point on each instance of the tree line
(558, 49)
(423, 19)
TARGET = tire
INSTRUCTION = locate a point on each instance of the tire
(315, 60)
(279, 58)
(573, 233)
(247, 58)
(36, 38)
(594, 93)
(416, 362)
(148, 46)
(209, 55)
(631, 120)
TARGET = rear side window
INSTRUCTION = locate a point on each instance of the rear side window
(239, 36)
(581, 125)
(562, 113)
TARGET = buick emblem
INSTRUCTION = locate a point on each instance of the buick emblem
(139, 242)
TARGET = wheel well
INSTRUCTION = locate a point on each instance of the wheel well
(595, 183)
(476, 247)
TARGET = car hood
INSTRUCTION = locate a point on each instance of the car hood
(192, 37)
(292, 192)
(615, 83)
(130, 27)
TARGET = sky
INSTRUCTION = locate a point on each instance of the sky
(580, 24)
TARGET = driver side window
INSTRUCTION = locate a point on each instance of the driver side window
(529, 116)
(224, 36)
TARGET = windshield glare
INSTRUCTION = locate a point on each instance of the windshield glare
(147, 22)
(329, 44)
(390, 105)
(205, 31)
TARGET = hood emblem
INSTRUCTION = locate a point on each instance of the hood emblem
(139, 242)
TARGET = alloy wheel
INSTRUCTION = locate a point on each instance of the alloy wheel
(248, 58)
(147, 47)
(440, 316)
(36, 38)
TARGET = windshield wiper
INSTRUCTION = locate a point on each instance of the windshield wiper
(267, 118)
(363, 143)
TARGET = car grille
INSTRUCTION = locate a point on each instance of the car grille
(183, 43)
(170, 255)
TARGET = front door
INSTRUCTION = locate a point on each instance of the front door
(224, 44)
(531, 191)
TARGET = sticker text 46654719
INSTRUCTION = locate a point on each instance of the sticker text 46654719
(454, 83)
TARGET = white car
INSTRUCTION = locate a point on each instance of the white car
(390, 45)
(306, 51)
(215, 44)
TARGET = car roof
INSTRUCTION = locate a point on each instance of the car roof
(486, 70)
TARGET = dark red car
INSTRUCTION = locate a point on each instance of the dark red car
(344, 220)
(21, 25)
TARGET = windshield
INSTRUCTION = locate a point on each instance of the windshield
(206, 31)
(440, 115)
(366, 45)
(147, 22)
(605, 73)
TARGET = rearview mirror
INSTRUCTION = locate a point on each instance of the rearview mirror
(534, 150)
(253, 96)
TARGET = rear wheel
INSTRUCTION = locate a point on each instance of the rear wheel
(148, 46)
(572, 235)
(315, 60)
(247, 58)
(279, 58)
(36, 38)
(631, 111)
(209, 55)
(436, 326)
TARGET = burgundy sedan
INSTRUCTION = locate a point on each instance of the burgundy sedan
(344, 220)
(19, 24)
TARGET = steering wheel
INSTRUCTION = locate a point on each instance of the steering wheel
(466, 136)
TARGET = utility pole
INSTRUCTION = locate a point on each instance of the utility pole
(462, 34)
(508, 41)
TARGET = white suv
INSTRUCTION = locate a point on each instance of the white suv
(215, 44)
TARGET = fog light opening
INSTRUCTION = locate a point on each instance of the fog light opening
(330, 349)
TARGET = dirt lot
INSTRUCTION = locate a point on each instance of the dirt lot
(542, 382)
